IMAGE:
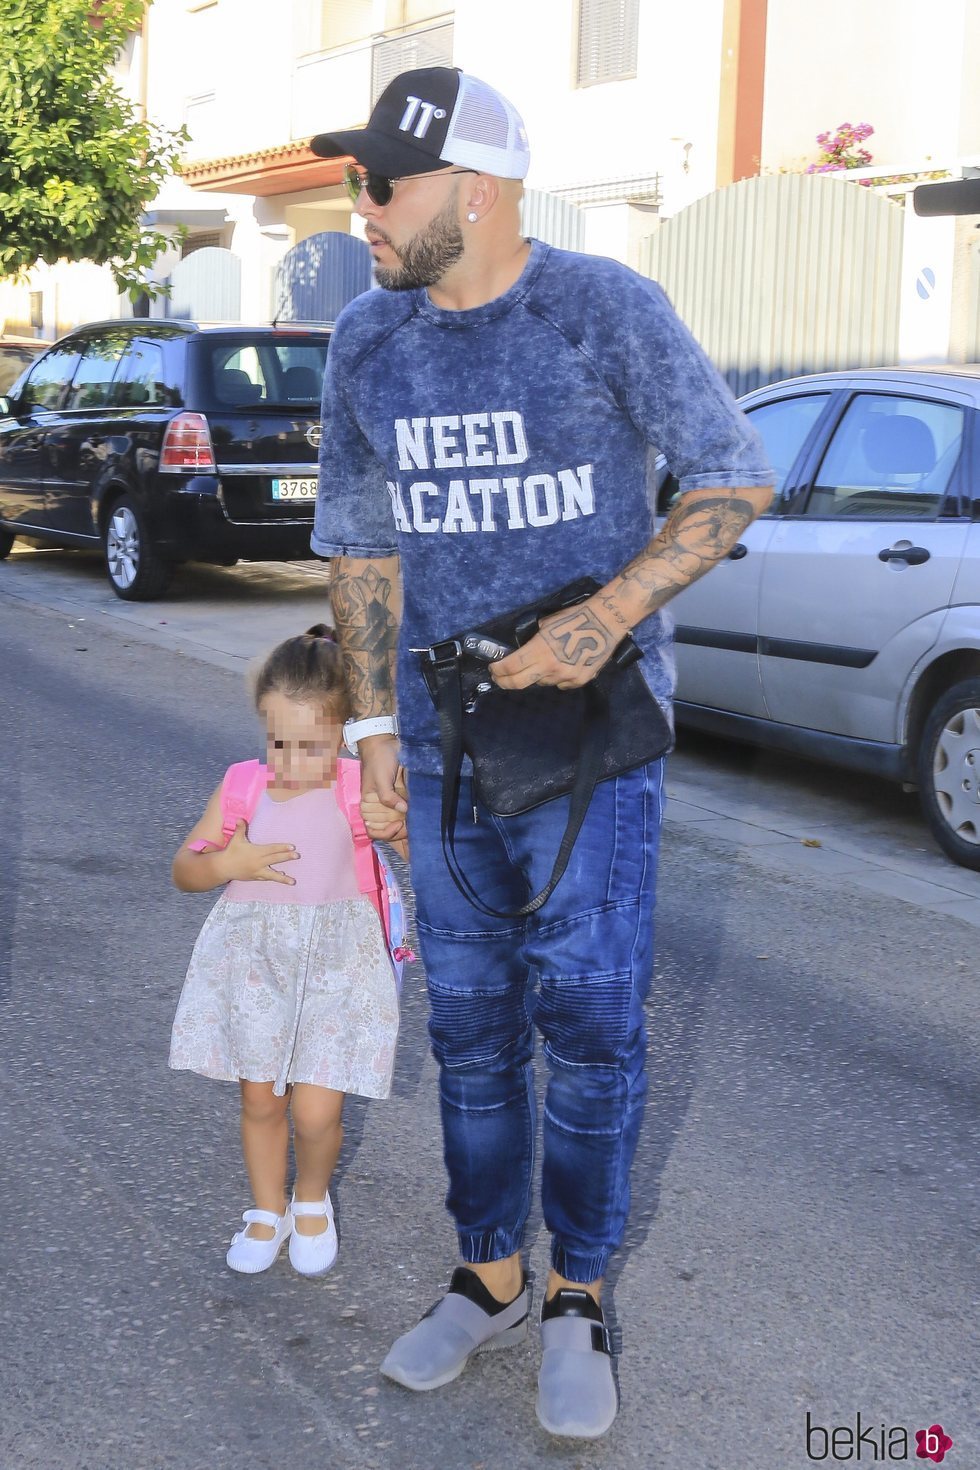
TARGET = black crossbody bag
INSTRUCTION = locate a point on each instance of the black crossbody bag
(529, 746)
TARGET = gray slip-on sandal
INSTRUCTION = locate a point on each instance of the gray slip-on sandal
(576, 1388)
(467, 1320)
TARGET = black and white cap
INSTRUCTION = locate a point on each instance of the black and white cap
(435, 115)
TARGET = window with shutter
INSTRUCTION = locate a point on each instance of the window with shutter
(606, 41)
(415, 12)
(345, 21)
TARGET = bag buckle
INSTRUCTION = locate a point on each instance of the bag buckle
(448, 651)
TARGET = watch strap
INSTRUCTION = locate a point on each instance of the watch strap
(357, 730)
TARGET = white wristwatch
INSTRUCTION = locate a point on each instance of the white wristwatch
(355, 730)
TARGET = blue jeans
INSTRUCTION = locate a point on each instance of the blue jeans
(581, 968)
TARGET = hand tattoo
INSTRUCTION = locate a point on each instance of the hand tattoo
(579, 639)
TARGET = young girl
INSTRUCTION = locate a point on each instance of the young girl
(290, 989)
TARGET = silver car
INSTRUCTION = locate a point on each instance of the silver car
(846, 624)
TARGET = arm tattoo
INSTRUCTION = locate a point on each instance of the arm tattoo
(579, 639)
(697, 534)
(364, 604)
(613, 611)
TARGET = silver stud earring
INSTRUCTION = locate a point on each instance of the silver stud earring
(472, 216)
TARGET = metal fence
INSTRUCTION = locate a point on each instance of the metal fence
(783, 275)
(316, 279)
(205, 286)
(432, 46)
(544, 217)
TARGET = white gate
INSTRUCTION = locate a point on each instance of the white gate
(783, 275)
(556, 221)
(204, 287)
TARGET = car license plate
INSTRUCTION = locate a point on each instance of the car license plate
(294, 489)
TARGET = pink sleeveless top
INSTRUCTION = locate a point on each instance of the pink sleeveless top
(318, 829)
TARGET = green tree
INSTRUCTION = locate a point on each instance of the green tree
(77, 165)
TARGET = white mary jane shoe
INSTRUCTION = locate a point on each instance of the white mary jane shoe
(312, 1255)
(249, 1255)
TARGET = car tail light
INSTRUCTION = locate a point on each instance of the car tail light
(187, 444)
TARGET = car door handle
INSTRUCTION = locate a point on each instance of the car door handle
(913, 556)
(737, 552)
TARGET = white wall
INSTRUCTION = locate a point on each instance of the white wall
(239, 50)
(72, 293)
(908, 69)
(580, 135)
(928, 267)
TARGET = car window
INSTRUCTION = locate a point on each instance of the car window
(140, 382)
(783, 426)
(92, 384)
(241, 378)
(48, 379)
(265, 373)
(890, 457)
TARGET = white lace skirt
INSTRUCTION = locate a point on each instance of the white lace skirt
(289, 992)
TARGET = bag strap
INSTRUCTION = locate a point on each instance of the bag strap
(369, 865)
(449, 703)
(241, 788)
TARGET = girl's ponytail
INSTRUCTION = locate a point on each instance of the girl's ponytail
(308, 668)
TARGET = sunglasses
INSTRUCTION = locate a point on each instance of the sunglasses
(380, 189)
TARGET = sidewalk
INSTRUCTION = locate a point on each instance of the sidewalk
(221, 615)
(897, 859)
(780, 814)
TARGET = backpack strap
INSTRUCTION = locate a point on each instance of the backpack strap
(244, 783)
(372, 875)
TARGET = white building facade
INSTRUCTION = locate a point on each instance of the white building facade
(634, 108)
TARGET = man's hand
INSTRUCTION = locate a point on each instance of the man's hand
(251, 861)
(568, 650)
(383, 790)
(573, 646)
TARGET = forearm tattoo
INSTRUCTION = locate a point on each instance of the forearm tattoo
(367, 631)
(697, 534)
(579, 639)
(614, 612)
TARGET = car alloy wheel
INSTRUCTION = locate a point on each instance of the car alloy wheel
(122, 547)
(949, 772)
(135, 569)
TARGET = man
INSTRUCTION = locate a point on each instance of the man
(487, 422)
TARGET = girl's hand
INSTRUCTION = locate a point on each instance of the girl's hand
(250, 861)
(382, 823)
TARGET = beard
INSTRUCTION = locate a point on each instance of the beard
(427, 256)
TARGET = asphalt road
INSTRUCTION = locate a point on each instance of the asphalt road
(802, 1238)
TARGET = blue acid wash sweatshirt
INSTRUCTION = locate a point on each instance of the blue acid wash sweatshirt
(503, 451)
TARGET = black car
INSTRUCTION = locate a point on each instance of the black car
(165, 442)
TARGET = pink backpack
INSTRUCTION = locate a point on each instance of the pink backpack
(245, 782)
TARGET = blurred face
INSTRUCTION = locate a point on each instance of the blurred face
(302, 741)
(415, 237)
